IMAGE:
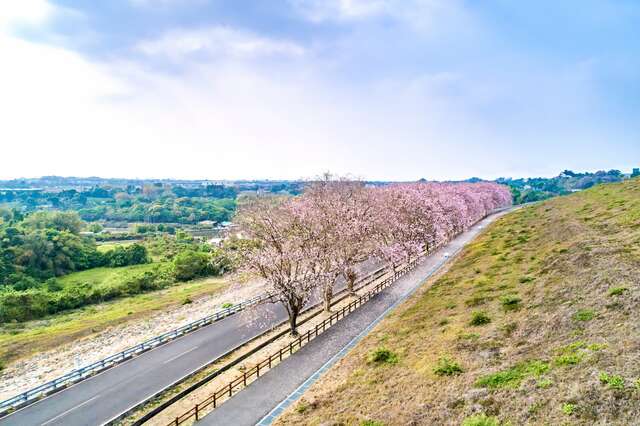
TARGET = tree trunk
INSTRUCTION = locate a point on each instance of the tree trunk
(293, 323)
(350, 275)
(328, 295)
(293, 312)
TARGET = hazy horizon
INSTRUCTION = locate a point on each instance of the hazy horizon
(296, 179)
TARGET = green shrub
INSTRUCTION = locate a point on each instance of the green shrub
(302, 407)
(544, 383)
(614, 382)
(383, 356)
(226, 305)
(481, 420)
(596, 346)
(191, 264)
(512, 377)
(525, 279)
(371, 423)
(568, 408)
(53, 285)
(447, 367)
(617, 291)
(187, 300)
(510, 302)
(479, 318)
(135, 254)
(568, 359)
(584, 315)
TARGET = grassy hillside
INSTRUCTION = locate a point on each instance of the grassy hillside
(106, 277)
(537, 322)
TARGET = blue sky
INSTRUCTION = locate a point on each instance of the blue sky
(382, 89)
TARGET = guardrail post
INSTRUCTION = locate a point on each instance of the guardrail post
(257, 370)
(230, 390)
(214, 400)
(197, 413)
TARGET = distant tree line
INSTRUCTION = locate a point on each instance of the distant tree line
(150, 203)
(526, 190)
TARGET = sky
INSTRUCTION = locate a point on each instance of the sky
(288, 89)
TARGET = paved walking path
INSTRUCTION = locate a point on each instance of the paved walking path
(268, 396)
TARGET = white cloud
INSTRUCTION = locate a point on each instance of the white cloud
(24, 12)
(422, 17)
(226, 117)
(323, 10)
(163, 4)
(217, 42)
(412, 11)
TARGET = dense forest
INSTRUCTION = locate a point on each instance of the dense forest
(151, 203)
(38, 249)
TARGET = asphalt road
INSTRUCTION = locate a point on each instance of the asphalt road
(265, 398)
(101, 398)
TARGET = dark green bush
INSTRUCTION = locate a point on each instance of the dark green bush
(447, 367)
(191, 264)
(479, 318)
(510, 302)
(383, 356)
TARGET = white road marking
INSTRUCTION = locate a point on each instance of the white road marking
(179, 355)
(68, 411)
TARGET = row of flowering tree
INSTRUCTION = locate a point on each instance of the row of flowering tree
(303, 246)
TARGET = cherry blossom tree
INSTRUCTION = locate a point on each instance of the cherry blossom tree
(341, 212)
(283, 254)
(302, 245)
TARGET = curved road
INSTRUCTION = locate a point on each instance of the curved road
(105, 396)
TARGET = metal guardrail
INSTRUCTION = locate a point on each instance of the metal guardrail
(75, 376)
(82, 373)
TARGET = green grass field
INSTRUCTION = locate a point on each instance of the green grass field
(106, 277)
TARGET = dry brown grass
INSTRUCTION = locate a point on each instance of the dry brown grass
(560, 258)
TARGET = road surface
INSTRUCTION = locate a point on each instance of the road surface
(108, 394)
